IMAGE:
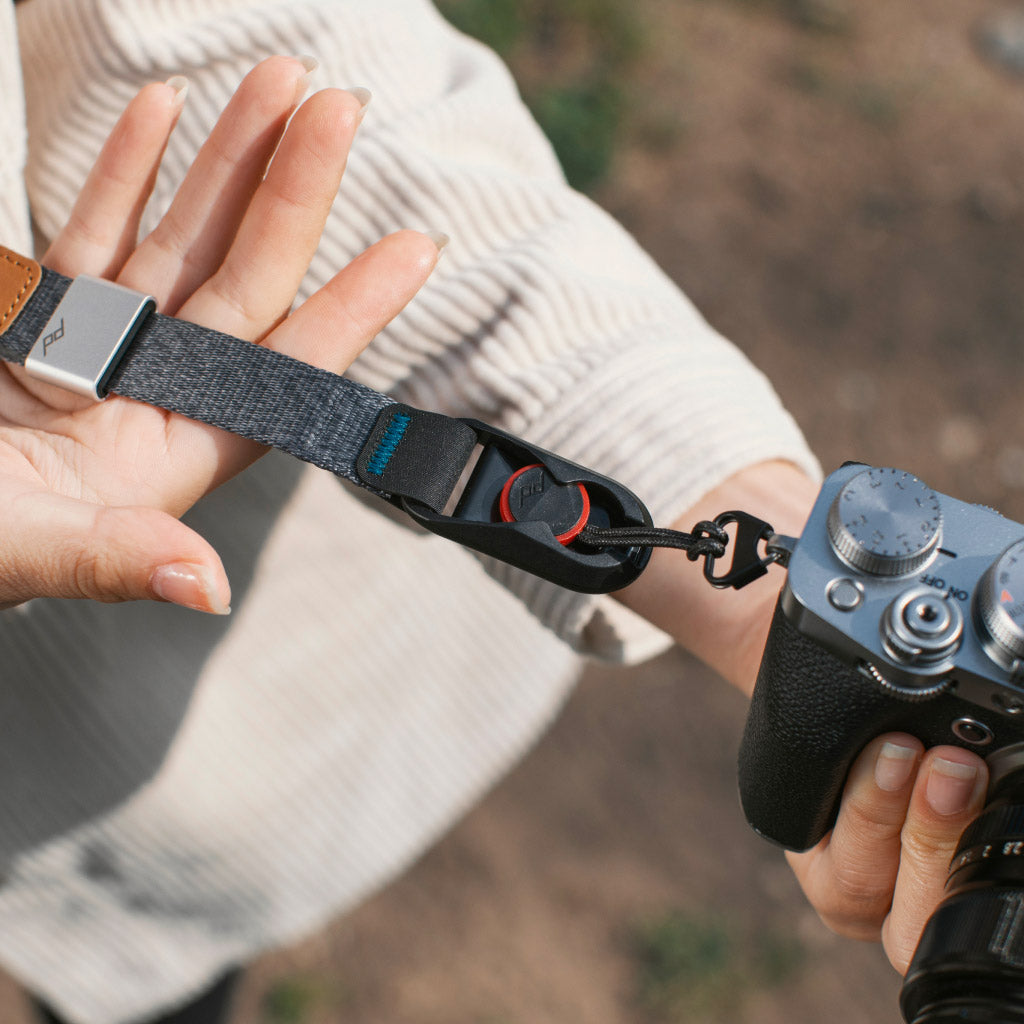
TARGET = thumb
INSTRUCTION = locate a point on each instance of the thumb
(53, 546)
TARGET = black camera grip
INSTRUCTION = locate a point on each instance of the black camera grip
(811, 714)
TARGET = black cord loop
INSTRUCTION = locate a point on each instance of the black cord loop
(707, 539)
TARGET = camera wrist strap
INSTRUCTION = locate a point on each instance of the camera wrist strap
(521, 504)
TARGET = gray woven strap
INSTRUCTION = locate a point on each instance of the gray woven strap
(255, 392)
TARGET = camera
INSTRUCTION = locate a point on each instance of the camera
(903, 610)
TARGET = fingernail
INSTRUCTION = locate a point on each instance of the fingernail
(363, 95)
(439, 238)
(179, 83)
(893, 766)
(950, 786)
(310, 64)
(191, 586)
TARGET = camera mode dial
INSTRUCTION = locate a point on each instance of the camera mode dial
(1001, 601)
(885, 522)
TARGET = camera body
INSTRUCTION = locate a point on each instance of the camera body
(903, 610)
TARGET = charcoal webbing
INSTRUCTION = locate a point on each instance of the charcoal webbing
(317, 416)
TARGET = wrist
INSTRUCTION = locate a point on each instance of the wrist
(725, 628)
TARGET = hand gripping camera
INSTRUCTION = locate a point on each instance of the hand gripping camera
(904, 610)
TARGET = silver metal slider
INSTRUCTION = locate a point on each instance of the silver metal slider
(84, 340)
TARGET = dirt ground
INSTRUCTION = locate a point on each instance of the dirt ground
(846, 203)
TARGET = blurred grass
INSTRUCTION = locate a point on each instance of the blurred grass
(498, 23)
(570, 58)
(298, 998)
(695, 966)
(574, 59)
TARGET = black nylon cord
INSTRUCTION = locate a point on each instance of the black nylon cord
(706, 539)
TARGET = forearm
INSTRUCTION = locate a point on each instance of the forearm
(725, 628)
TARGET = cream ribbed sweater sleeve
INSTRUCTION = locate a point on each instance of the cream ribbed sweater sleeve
(14, 227)
(544, 317)
(188, 791)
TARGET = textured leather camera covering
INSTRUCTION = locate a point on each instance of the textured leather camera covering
(19, 277)
(811, 714)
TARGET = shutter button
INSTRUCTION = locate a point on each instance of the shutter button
(532, 494)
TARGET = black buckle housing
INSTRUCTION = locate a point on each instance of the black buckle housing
(532, 545)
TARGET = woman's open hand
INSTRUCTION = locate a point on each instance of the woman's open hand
(92, 492)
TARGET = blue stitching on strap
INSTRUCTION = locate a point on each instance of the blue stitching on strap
(386, 446)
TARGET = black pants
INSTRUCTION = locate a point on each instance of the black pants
(212, 1007)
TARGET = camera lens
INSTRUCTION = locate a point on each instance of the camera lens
(981, 1013)
(969, 964)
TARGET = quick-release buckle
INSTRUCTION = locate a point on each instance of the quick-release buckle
(526, 506)
(88, 333)
(521, 504)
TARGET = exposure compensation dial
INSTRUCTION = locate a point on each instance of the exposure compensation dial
(1001, 601)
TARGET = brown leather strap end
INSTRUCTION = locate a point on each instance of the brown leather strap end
(19, 277)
